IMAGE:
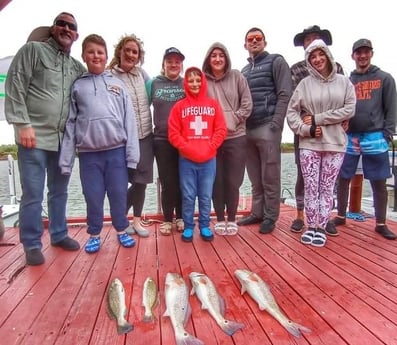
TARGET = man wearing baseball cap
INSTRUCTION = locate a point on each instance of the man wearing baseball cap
(298, 72)
(369, 134)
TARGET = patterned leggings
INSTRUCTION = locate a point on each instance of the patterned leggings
(320, 171)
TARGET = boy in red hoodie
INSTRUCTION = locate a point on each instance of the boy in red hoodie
(196, 127)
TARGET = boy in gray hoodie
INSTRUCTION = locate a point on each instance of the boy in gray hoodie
(102, 127)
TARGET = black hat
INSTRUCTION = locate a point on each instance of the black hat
(362, 42)
(325, 35)
(173, 50)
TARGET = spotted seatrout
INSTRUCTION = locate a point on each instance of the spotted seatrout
(206, 292)
(260, 293)
(149, 299)
(116, 306)
(178, 308)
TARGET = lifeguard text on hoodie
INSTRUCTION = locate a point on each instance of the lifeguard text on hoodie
(196, 126)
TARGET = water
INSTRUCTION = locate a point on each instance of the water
(76, 203)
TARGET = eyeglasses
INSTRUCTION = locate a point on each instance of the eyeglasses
(63, 24)
(251, 38)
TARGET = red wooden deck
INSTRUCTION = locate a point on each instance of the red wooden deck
(345, 292)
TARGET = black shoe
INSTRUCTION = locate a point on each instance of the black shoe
(297, 225)
(34, 257)
(251, 219)
(339, 221)
(67, 244)
(330, 228)
(385, 232)
(267, 226)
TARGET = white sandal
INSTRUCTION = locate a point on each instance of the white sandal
(220, 228)
(180, 225)
(319, 238)
(231, 228)
(166, 228)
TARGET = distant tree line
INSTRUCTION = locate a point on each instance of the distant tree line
(5, 150)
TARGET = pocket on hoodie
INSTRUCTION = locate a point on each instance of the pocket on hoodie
(231, 121)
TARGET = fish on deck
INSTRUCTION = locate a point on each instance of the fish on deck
(261, 294)
(178, 308)
(116, 306)
(149, 299)
(210, 299)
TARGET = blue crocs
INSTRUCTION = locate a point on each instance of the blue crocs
(187, 235)
(206, 234)
(126, 240)
(93, 245)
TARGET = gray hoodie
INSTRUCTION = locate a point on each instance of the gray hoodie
(330, 100)
(101, 117)
(232, 92)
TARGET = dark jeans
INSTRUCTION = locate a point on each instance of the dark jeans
(167, 159)
(104, 172)
(230, 168)
(197, 181)
(34, 165)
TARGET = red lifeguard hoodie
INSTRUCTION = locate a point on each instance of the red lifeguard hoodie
(196, 125)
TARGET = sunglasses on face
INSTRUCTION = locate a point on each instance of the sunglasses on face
(63, 24)
(251, 38)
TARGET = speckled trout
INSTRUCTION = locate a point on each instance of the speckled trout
(149, 299)
(116, 306)
(178, 308)
(261, 294)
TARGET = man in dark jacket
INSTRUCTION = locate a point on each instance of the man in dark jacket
(370, 131)
(269, 80)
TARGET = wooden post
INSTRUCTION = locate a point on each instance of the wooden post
(356, 192)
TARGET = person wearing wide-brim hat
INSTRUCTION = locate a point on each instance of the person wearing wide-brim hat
(314, 30)
(298, 72)
(40, 34)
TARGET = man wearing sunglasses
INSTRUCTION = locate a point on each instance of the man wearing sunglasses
(269, 80)
(37, 103)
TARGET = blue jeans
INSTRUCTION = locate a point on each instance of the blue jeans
(196, 180)
(34, 165)
(104, 172)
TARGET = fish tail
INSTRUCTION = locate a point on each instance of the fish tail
(148, 318)
(296, 329)
(231, 327)
(124, 328)
(189, 340)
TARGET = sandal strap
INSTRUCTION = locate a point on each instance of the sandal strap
(319, 238)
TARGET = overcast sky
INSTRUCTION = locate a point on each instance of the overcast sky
(192, 26)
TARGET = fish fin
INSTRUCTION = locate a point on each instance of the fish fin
(243, 289)
(188, 339)
(192, 291)
(231, 327)
(296, 329)
(126, 327)
(166, 313)
(262, 306)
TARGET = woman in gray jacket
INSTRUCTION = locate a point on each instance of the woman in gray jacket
(316, 111)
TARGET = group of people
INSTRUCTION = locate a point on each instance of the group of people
(209, 125)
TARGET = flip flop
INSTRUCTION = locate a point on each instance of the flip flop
(166, 228)
(358, 217)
